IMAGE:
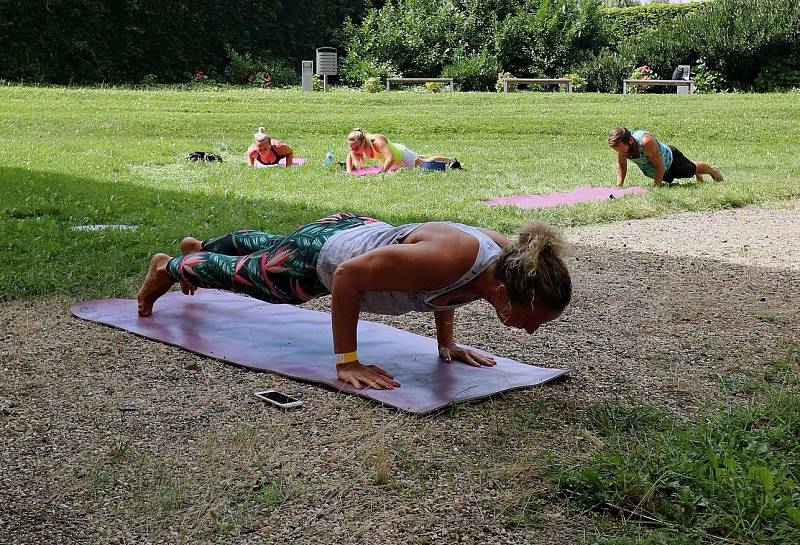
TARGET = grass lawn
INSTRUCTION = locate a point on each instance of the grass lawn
(731, 472)
(84, 156)
(629, 474)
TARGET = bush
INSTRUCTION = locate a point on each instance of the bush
(355, 71)
(121, 41)
(578, 82)
(707, 80)
(149, 80)
(240, 67)
(201, 80)
(548, 40)
(281, 73)
(372, 85)
(261, 79)
(475, 72)
(419, 37)
(434, 86)
(737, 38)
(605, 71)
(643, 72)
(501, 77)
(629, 24)
(264, 71)
(779, 74)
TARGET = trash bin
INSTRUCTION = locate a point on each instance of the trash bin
(327, 64)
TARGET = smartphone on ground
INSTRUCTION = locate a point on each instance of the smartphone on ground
(278, 399)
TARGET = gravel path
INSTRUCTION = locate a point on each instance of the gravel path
(109, 438)
(756, 236)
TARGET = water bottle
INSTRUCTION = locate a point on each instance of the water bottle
(329, 158)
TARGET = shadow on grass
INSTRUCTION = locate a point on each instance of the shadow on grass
(42, 256)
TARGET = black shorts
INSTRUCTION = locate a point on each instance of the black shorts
(681, 167)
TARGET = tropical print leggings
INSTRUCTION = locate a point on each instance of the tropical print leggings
(273, 268)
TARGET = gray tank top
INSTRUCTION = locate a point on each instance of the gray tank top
(359, 240)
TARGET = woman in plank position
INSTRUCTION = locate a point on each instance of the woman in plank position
(266, 151)
(372, 266)
(364, 145)
(661, 162)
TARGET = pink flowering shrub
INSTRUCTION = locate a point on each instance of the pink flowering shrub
(643, 72)
(262, 78)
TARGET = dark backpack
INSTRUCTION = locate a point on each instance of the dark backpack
(203, 156)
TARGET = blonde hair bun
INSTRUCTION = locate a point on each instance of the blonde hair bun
(356, 135)
(536, 238)
(532, 268)
(260, 135)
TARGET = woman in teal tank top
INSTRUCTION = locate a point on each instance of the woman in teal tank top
(661, 162)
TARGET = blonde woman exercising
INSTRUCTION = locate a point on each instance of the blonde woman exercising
(364, 145)
(368, 265)
(266, 151)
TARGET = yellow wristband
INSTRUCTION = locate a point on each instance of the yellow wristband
(347, 357)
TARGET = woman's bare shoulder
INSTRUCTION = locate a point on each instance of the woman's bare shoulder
(498, 238)
(450, 243)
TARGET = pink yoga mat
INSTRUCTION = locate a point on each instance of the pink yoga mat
(580, 194)
(297, 343)
(366, 171)
(296, 161)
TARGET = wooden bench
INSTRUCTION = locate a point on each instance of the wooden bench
(662, 82)
(558, 81)
(389, 81)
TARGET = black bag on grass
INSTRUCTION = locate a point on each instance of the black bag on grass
(203, 156)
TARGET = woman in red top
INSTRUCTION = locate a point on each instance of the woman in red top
(267, 151)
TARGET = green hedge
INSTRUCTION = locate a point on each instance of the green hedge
(744, 44)
(122, 41)
(465, 39)
(732, 44)
(737, 44)
(626, 24)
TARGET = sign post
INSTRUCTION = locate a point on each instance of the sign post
(307, 71)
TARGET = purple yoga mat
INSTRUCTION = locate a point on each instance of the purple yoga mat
(580, 194)
(297, 343)
(296, 161)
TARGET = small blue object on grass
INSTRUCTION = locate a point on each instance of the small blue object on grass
(329, 158)
(432, 165)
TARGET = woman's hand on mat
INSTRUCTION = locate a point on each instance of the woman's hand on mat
(453, 352)
(371, 376)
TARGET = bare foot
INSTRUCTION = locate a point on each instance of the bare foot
(189, 245)
(716, 173)
(156, 283)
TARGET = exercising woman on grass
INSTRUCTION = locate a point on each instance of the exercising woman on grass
(372, 266)
(266, 151)
(661, 162)
(364, 145)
